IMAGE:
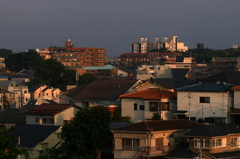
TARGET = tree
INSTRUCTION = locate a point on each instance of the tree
(87, 78)
(7, 149)
(5, 53)
(156, 116)
(87, 134)
(25, 60)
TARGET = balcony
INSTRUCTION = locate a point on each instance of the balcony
(151, 152)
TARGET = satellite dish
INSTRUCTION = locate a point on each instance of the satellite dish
(235, 46)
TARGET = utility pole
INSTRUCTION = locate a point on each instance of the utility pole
(189, 104)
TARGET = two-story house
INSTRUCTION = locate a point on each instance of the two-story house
(149, 139)
(35, 139)
(42, 94)
(141, 105)
(215, 141)
(210, 102)
(51, 114)
(99, 93)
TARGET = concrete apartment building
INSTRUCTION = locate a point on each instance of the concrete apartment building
(144, 46)
(76, 57)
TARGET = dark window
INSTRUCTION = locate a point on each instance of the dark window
(130, 144)
(153, 106)
(48, 120)
(36, 119)
(204, 99)
(135, 106)
(141, 107)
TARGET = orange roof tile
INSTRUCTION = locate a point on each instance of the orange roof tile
(150, 93)
(236, 88)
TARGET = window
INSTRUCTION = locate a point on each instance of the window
(36, 119)
(159, 142)
(204, 143)
(135, 106)
(130, 144)
(234, 141)
(217, 142)
(204, 99)
(153, 106)
(48, 120)
(142, 107)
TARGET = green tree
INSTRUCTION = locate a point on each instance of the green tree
(25, 60)
(5, 53)
(87, 134)
(7, 149)
(87, 78)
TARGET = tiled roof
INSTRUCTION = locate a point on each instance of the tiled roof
(214, 130)
(179, 73)
(49, 109)
(101, 90)
(236, 88)
(235, 111)
(159, 125)
(16, 116)
(31, 135)
(232, 77)
(231, 154)
(172, 83)
(207, 87)
(150, 93)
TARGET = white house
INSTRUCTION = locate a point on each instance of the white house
(146, 72)
(51, 114)
(141, 105)
(210, 102)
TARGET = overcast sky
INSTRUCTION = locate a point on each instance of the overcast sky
(115, 24)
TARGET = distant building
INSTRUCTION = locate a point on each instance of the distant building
(76, 57)
(144, 46)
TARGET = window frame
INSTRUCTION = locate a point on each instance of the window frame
(153, 106)
(130, 144)
(204, 99)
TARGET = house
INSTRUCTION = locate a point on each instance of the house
(44, 94)
(143, 104)
(91, 94)
(149, 139)
(36, 138)
(51, 114)
(215, 141)
(106, 72)
(235, 112)
(16, 93)
(210, 102)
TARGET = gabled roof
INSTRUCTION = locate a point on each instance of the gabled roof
(31, 135)
(49, 109)
(232, 77)
(214, 130)
(179, 72)
(236, 88)
(207, 87)
(230, 154)
(172, 83)
(101, 90)
(16, 116)
(150, 93)
(159, 125)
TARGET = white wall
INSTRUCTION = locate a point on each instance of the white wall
(218, 101)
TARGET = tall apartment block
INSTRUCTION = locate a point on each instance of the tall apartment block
(76, 57)
(173, 45)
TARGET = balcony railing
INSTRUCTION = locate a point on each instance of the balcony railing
(151, 151)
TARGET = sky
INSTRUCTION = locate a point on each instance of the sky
(115, 24)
